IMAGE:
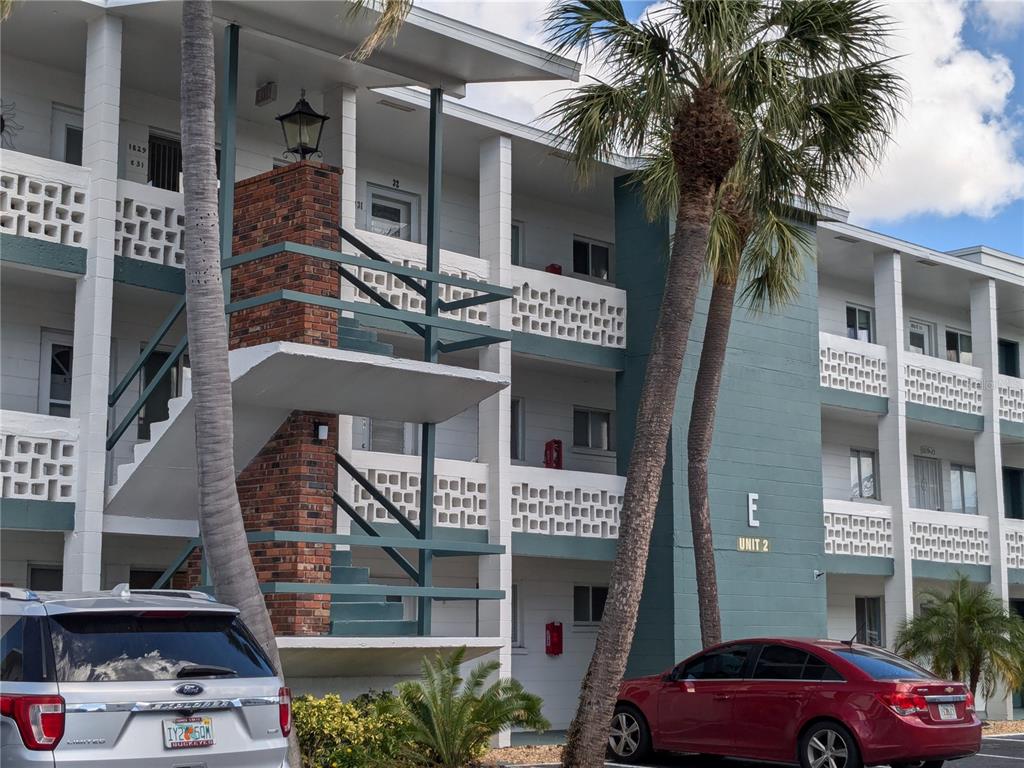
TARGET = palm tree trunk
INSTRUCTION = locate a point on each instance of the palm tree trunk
(588, 733)
(702, 425)
(220, 515)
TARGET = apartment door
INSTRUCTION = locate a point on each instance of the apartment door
(55, 373)
(920, 337)
(928, 483)
(66, 135)
(394, 213)
(1009, 358)
(1013, 493)
(156, 407)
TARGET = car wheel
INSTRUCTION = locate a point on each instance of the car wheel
(629, 739)
(829, 745)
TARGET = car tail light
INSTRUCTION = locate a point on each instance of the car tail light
(904, 703)
(40, 719)
(284, 710)
(969, 703)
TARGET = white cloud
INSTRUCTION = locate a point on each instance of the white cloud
(954, 150)
(1000, 19)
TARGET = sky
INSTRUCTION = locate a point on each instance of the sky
(953, 175)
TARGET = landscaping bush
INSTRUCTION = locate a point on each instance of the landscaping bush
(366, 732)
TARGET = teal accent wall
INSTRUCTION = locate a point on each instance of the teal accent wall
(42, 254)
(159, 277)
(767, 441)
(36, 515)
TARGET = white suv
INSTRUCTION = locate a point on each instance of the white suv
(147, 678)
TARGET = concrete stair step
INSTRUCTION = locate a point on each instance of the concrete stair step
(356, 334)
(348, 574)
(366, 611)
(370, 347)
(341, 557)
(373, 628)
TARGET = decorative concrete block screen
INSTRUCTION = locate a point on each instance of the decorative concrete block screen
(1011, 398)
(1015, 544)
(460, 489)
(852, 529)
(150, 224)
(562, 503)
(567, 308)
(853, 365)
(949, 537)
(415, 255)
(40, 456)
(43, 199)
(942, 384)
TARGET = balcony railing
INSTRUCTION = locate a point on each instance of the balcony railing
(940, 383)
(40, 456)
(150, 224)
(563, 503)
(858, 528)
(853, 365)
(1014, 534)
(1011, 398)
(567, 308)
(949, 537)
(43, 199)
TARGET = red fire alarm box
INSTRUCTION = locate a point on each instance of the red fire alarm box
(553, 454)
(553, 638)
(554, 269)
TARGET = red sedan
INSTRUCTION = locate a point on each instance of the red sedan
(821, 703)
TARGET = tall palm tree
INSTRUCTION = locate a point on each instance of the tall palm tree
(225, 546)
(967, 634)
(679, 85)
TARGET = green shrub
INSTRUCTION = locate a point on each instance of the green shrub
(364, 733)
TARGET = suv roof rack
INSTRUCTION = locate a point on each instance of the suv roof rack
(18, 593)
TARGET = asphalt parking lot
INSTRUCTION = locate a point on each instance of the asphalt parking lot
(996, 752)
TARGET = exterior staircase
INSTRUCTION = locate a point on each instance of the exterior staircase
(357, 616)
(352, 336)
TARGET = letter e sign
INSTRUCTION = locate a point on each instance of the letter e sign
(752, 520)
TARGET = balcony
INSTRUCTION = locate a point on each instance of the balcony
(857, 529)
(1011, 399)
(948, 537)
(567, 308)
(853, 365)
(40, 457)
(150, 224)
(939, 383)
(1014, 552)
(43, 199)
(558, 502)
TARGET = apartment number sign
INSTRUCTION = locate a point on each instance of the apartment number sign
(753, 543)
(137, 155)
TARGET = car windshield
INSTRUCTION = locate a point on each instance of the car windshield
(882, 665)
(105, 647)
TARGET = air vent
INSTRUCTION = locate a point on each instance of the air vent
(396, 105)
(928, 262)
(847, 239)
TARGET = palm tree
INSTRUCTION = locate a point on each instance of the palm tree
(450, 721)
(221, 527)
(967, 634)
(680, 86)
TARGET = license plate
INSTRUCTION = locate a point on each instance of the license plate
(188, 732)
(947, 712)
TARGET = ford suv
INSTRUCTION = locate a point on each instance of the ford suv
(150, 678)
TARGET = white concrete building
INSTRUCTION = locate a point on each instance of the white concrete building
(900, 464)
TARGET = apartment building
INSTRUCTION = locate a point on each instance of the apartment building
(478, 325)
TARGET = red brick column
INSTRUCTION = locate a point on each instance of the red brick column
(296, 203)
(289, 485)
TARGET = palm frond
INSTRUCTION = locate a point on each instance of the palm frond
(392, 14)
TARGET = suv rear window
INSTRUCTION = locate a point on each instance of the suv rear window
(105, 647)
(24, 657)
(882, 665)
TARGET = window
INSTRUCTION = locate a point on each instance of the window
(862, 474)
(394, 213)
(592, 429)
(518, 431)
(1009, 358)
(66, 135)
(164, 167)
(958, 347)
(591, 258)
(869, 620)
(723, 664)
(518, 242)
(963, 481)
(927, 483)
(110, 647)
(55, 374)
(882, 665)
(588, 604)
(858, 323)
(46, 578)
(921, 337)
(1013, 493)
(517, 623)
(24, 650)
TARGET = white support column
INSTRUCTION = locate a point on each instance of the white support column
(892, 440)
(495, 412)
(988, 454)
(94, 296)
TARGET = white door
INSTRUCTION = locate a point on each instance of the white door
(55, 373)
(928, 483)
(394, 213)
(921, 337)
(66, 135)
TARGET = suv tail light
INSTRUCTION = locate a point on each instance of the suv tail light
(40, 719)
(284, 710)
(904, 703)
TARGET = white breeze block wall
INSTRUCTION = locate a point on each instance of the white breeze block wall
(1014, 533)
(1011, 398)
(853, 528)
(943, 384)
(40, 456)
(43, 199)
(949, 537)
(853, 365)
(568, 308)
(150, 224)
(565, 503)
(460, 489)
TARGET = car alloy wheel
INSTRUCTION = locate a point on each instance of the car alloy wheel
(827, 749)
(624, 738)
